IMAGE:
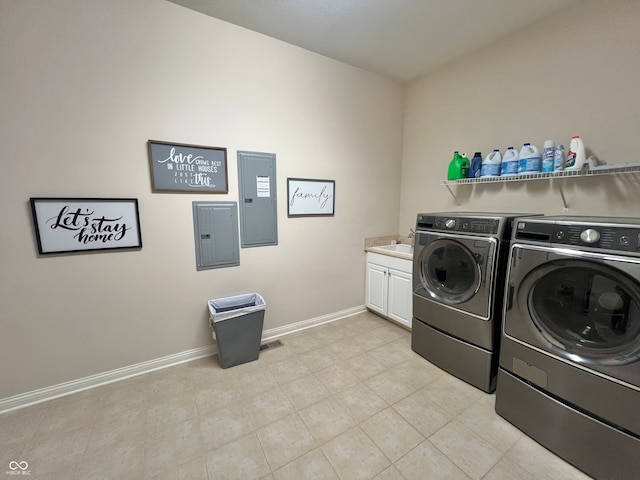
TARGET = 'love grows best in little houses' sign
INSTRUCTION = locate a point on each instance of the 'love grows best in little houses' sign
(180, 167)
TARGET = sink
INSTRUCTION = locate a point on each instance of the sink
(400, 247)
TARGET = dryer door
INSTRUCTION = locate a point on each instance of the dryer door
(455, 271)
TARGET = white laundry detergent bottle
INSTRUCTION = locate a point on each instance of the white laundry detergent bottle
(509, 162)
(529, 159)
(491, 164)
(575, 156)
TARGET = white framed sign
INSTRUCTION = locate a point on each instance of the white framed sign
(66, 225)
(309, 197)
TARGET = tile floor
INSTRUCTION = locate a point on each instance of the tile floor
(347, 400)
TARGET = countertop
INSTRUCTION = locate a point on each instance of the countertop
(372, 245)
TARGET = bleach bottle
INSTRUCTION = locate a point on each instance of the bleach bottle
(458, 167)
(491, 164)
(548, 156)
(529, 159)
(476, 165)
(510, 162)
(576, 157)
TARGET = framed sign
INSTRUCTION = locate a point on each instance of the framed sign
(307, 197)
(65, 225)
(178, 167)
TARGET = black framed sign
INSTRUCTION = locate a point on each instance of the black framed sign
(309, 197)
(179, 167)
(65, 225)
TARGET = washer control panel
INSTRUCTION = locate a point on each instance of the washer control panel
(604, 237)
(601, 237)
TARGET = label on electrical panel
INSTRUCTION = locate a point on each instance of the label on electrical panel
(263, 186)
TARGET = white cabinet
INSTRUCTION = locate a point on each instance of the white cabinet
(399, 302)
(389, 287)
(377, 288)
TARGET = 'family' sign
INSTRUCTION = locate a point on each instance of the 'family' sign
(310, 197)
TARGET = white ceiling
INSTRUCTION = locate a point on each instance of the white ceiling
(401, 39)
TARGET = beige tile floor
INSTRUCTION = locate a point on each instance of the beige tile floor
(347, 400)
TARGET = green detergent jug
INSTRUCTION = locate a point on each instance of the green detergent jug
(459, 167)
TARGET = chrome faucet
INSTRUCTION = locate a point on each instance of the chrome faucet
(412, 233)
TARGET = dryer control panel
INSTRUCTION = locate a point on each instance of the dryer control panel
(489, 226)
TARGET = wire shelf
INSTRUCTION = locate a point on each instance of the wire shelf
(605, 170)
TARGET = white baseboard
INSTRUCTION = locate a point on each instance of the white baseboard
(74, 386)
(313, 322)
(67, 388)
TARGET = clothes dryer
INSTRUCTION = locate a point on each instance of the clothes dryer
(569, 373)
(458, 274)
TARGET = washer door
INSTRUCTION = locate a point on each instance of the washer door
(579, 307)
(585, 310)
(455, 271)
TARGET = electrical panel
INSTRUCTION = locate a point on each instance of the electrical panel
(216, 234)
(257, 185)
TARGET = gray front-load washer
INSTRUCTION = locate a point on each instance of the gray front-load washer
(569, 373)
(459, 263)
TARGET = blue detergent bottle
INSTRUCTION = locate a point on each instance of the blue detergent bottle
(476, 165)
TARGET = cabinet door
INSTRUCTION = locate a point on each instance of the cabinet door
(400, 304)
(376, 288)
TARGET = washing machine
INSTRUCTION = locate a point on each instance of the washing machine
(459, 265)
(569, 374)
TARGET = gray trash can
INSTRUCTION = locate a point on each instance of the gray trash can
(236, 323)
